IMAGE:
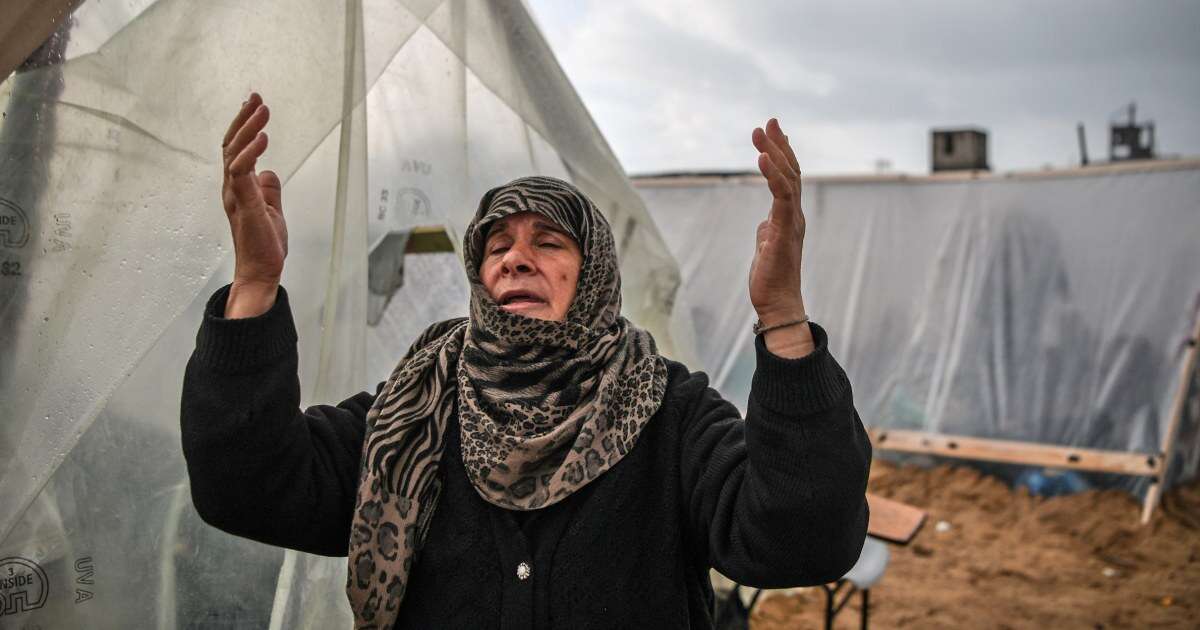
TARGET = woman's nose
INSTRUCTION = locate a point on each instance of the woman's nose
(517, 260)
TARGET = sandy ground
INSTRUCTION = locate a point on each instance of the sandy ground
(1010, 560)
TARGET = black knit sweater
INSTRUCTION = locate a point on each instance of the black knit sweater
(775, 500)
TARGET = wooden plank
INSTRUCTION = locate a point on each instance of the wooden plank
(1013, 452)
(27, 24)
(892, 520)
(428, 240)
(1186, 369)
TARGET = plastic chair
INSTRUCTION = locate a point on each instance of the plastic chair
(731, 614)
(872, 561)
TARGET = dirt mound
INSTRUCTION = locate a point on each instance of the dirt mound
(1011, 560)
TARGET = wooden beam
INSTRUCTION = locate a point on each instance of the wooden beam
(27, 24)
(1186, 369)
(428, 240)
(1013, 452)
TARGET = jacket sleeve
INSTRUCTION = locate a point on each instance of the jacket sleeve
(259, 466)
(778, 500)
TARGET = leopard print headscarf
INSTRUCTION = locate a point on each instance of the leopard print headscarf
(544, 407)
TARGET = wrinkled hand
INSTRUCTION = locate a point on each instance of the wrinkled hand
(253, 201)
(775, 271)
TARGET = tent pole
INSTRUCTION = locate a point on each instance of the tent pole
(351, 87)
(1154, 493)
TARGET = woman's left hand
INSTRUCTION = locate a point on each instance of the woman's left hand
(775, 271)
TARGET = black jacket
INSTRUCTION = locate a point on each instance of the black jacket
(776, 500)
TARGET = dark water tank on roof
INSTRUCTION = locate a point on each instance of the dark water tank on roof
(961, 149)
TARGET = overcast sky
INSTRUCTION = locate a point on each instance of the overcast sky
(679, 85)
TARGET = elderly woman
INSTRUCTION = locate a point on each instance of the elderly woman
(536, 464)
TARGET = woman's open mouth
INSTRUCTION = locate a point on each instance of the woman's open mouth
(520, 300)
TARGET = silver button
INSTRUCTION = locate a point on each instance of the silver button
(523, 571)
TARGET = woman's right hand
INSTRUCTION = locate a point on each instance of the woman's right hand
(255, 212)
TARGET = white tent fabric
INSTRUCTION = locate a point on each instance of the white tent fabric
(1048, 307)
(386, 115)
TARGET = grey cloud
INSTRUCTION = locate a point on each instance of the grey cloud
(1027, 71)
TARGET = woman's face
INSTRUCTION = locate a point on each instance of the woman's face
(530, 266)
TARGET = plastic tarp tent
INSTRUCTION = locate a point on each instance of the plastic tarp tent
(386, 116)
(1044, 307)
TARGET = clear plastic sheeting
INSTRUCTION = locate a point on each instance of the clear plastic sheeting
(386, 117)
(111, 198)
(1044, 307)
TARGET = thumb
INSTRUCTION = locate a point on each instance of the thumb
(272, 189)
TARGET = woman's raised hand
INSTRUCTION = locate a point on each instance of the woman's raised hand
(775, 271)
(255, 212)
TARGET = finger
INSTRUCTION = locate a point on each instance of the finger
(241, 173)
(775, 133)
(244, 162)
(782, 189)
(248, 107)
(765, 145)
(272, 189)
(248, 133)
(777, 182)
